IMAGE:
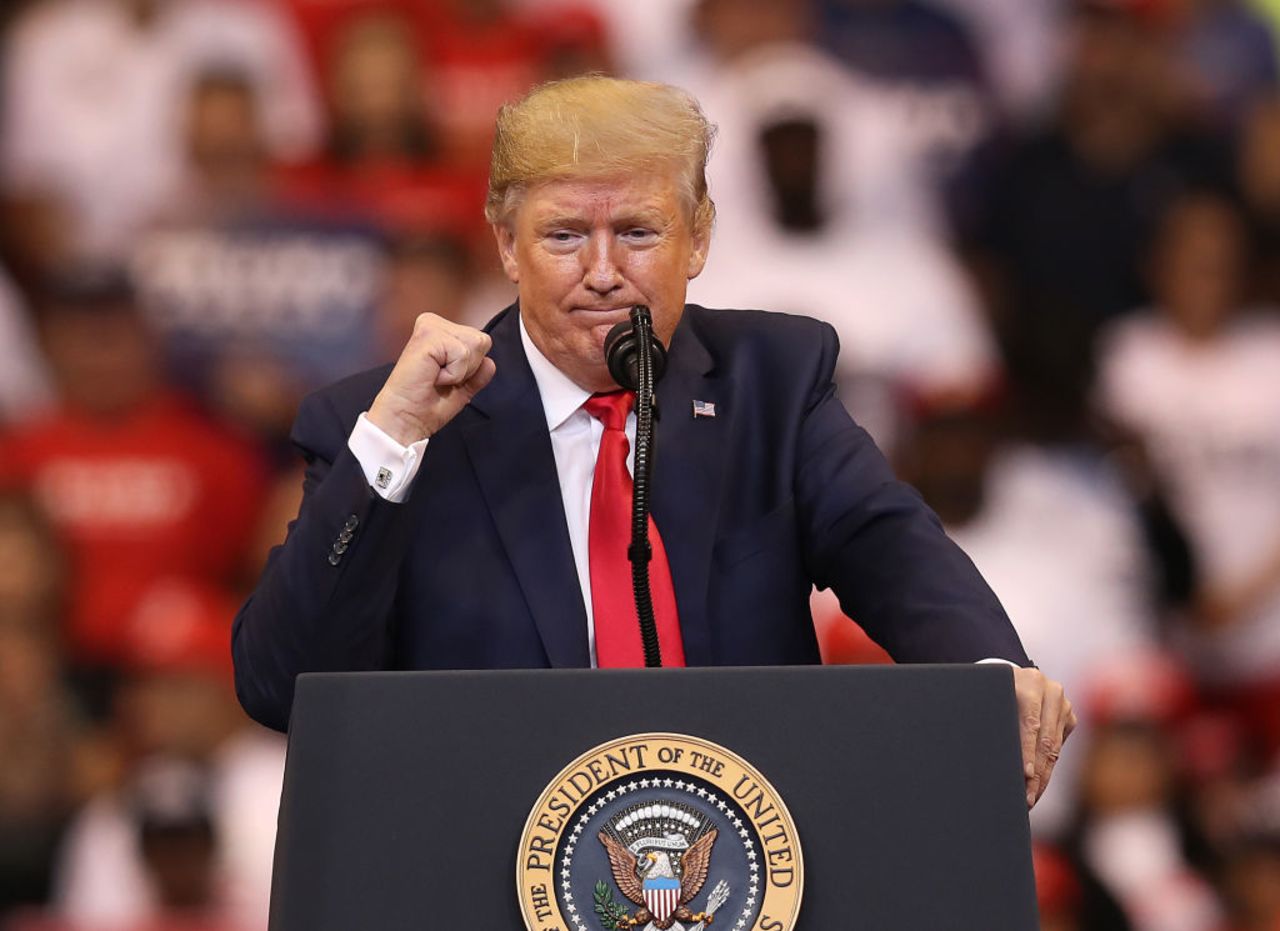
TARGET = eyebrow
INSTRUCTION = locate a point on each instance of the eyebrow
(640, 217)
(559, 220)
(643, 217)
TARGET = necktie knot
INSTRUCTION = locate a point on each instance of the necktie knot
(611, 409)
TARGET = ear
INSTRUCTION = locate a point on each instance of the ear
(698, 254)
(506, 238)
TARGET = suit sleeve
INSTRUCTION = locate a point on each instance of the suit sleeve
(873, 541)
(325, 599)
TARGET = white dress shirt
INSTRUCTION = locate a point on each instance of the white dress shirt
(575, 440)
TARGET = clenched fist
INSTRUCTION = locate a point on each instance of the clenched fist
(443, 366)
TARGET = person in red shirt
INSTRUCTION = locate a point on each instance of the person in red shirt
(412, 87)
(141, 486)
(385, 161)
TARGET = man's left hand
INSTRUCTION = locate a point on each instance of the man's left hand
(1046, 720)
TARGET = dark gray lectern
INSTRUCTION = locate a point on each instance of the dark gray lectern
(406, 793)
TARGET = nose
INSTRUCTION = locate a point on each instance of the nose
(600, 273)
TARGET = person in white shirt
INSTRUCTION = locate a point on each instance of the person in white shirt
(94, 98)
(1195, 379)
(827, 212)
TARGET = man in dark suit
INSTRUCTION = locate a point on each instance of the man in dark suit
(456, 504)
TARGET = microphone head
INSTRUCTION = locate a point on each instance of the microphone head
(622, 354)
(614, 351)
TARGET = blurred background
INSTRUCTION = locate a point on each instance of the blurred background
(1047, 231)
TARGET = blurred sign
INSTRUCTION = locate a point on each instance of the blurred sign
(301, 294)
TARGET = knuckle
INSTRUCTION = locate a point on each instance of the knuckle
(1030, 682)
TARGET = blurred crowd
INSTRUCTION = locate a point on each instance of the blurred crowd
(1047, 232)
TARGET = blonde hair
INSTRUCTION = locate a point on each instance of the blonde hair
(595, 126)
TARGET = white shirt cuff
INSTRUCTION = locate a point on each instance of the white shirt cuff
(388, 467)
(996, 659)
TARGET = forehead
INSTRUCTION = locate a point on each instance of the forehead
(605, 199)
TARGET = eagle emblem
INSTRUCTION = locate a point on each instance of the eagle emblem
(660, 855)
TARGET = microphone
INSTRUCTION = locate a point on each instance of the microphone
(636, 361)
(622, 349)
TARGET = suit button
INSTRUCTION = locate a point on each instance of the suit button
(334, 559)
(345, 536)
(352, 523)
(339, 548)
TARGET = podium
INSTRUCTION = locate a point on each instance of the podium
(409, 798)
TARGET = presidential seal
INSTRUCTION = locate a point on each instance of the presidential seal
(659, 832)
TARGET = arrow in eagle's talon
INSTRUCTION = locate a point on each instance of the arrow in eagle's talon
(719, 895)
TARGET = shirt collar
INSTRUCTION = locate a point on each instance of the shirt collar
(561, 397)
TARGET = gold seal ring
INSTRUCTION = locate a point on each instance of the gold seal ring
(659, 831)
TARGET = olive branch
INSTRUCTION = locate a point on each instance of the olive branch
(613, 915)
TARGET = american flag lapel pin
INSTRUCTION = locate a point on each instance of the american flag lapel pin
(704, 409)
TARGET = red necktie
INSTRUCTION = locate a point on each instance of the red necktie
(612, 600)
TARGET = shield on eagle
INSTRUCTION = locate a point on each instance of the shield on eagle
(661, 896)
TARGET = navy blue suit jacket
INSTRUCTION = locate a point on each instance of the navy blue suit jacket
(778, 491)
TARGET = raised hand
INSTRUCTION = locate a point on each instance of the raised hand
(443, 366)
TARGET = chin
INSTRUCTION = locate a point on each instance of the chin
(586, 366)
(596, 380)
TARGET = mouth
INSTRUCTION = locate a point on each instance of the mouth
(600, 315)
(601, 320)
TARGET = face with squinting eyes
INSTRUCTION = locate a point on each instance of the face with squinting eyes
(582, 252)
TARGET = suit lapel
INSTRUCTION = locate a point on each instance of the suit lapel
(687, 478)
(510, 450)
